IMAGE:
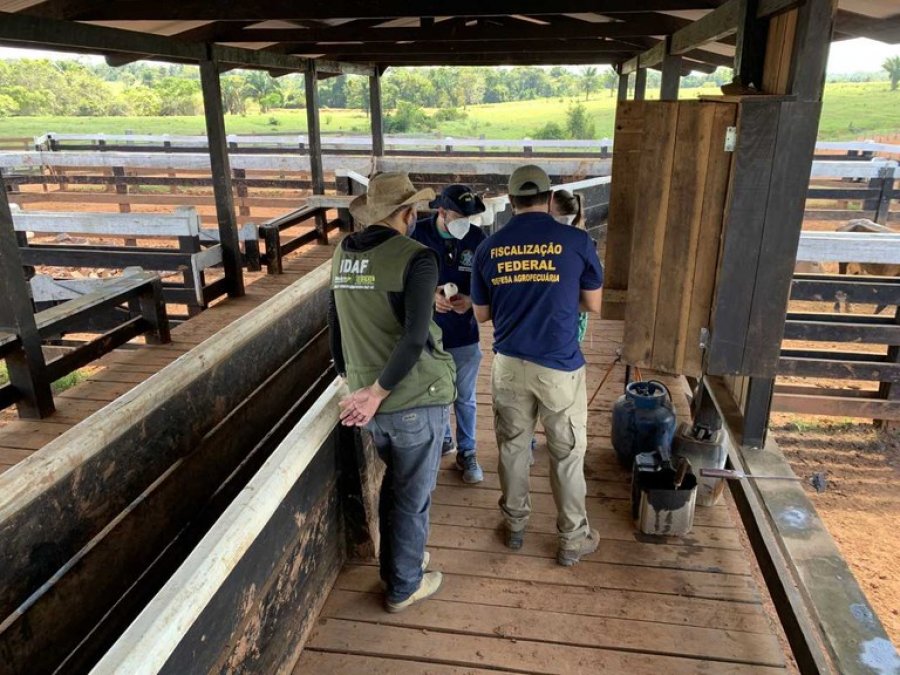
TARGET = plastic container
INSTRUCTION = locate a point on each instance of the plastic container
(707, 453)
(642, 420)
(658, 507)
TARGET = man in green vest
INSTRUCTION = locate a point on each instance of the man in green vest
(384, 341)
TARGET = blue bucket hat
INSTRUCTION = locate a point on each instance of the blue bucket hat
(458, 198)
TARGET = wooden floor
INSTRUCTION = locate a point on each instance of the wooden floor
(638, 605)
(123, 369)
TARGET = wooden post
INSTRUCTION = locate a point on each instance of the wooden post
(750, 50)
(623, 87)
(221, 176)
(640, 84)
(345, 187)
(240, 183)
(25, 365)
(883, 206)
(671, 78)
(314, 129)
(376, 116)
(809, 38)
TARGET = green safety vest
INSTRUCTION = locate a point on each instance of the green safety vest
(361, 282)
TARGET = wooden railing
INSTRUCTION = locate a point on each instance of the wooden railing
(96, 522)
(870, 343)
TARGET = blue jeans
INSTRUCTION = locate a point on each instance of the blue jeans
(409, 443)
(467, 359)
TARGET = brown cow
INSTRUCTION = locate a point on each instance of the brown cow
(872, 269)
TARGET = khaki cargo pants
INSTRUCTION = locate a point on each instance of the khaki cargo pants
(524, 392)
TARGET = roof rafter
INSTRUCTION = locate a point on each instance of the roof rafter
(26, 30)
(434, 47)
(262, 10)
(645, 25)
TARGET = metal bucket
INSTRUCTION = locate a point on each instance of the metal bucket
(708, 453)
(659, 507)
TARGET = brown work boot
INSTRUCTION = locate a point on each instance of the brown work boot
(431, 582)
(569, 556)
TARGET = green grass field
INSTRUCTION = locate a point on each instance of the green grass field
(851, 111)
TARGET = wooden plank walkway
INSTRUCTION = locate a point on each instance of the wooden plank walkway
(122, 369)
(638, 605)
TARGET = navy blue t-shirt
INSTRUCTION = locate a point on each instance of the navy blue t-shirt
(455, 259)
(531, 272)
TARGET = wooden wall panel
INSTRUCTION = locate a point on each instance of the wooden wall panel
(258, 620)
(779, 48)
(709, 240)
(679, 196)
(653, 188)
(682, 229)
(745, 212)
(788, 181)
(626, 160)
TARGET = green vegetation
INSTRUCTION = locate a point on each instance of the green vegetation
(892, 66)
(60, 385)
(69, 381)
(460, 102)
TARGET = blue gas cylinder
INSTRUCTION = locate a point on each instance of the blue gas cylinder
(643, 420)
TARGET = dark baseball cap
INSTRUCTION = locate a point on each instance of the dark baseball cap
(458, 198)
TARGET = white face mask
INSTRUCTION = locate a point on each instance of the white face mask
(565, 220)
(458, 228)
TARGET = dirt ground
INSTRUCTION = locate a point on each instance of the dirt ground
(861, 505)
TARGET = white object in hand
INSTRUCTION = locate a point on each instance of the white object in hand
(450, 289)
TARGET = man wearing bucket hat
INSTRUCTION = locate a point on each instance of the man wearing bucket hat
(531, 277)
(452, 236)
(384, 341)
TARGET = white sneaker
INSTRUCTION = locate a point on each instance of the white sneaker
(431, 582)
(426, 559)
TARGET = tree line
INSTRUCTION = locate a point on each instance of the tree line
(30, 87)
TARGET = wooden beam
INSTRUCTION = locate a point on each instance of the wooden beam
(365, 51)
(623, 87)
(711, 28)
(314, 133)
(23, 30)
(815, 25)
(629, 66)
(197, 10)
(767, 8)
(750, 55)
(886, 29)
(25, 364)
(671, 77)
(330, 68)
(654, 56)
(651, 24)
(640, 84)
(494, 59)
(376, 114)
(221, 175)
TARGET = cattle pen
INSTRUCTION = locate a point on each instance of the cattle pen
(196, 507)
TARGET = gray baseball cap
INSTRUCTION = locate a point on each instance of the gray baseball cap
(528, 180)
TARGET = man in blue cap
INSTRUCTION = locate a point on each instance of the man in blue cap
(449, 232)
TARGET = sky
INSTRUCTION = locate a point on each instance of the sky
(849, 56)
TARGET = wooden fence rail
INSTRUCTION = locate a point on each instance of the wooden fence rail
(870, 343)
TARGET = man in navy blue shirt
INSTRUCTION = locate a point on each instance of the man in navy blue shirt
(451, 234)
(532, 277)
